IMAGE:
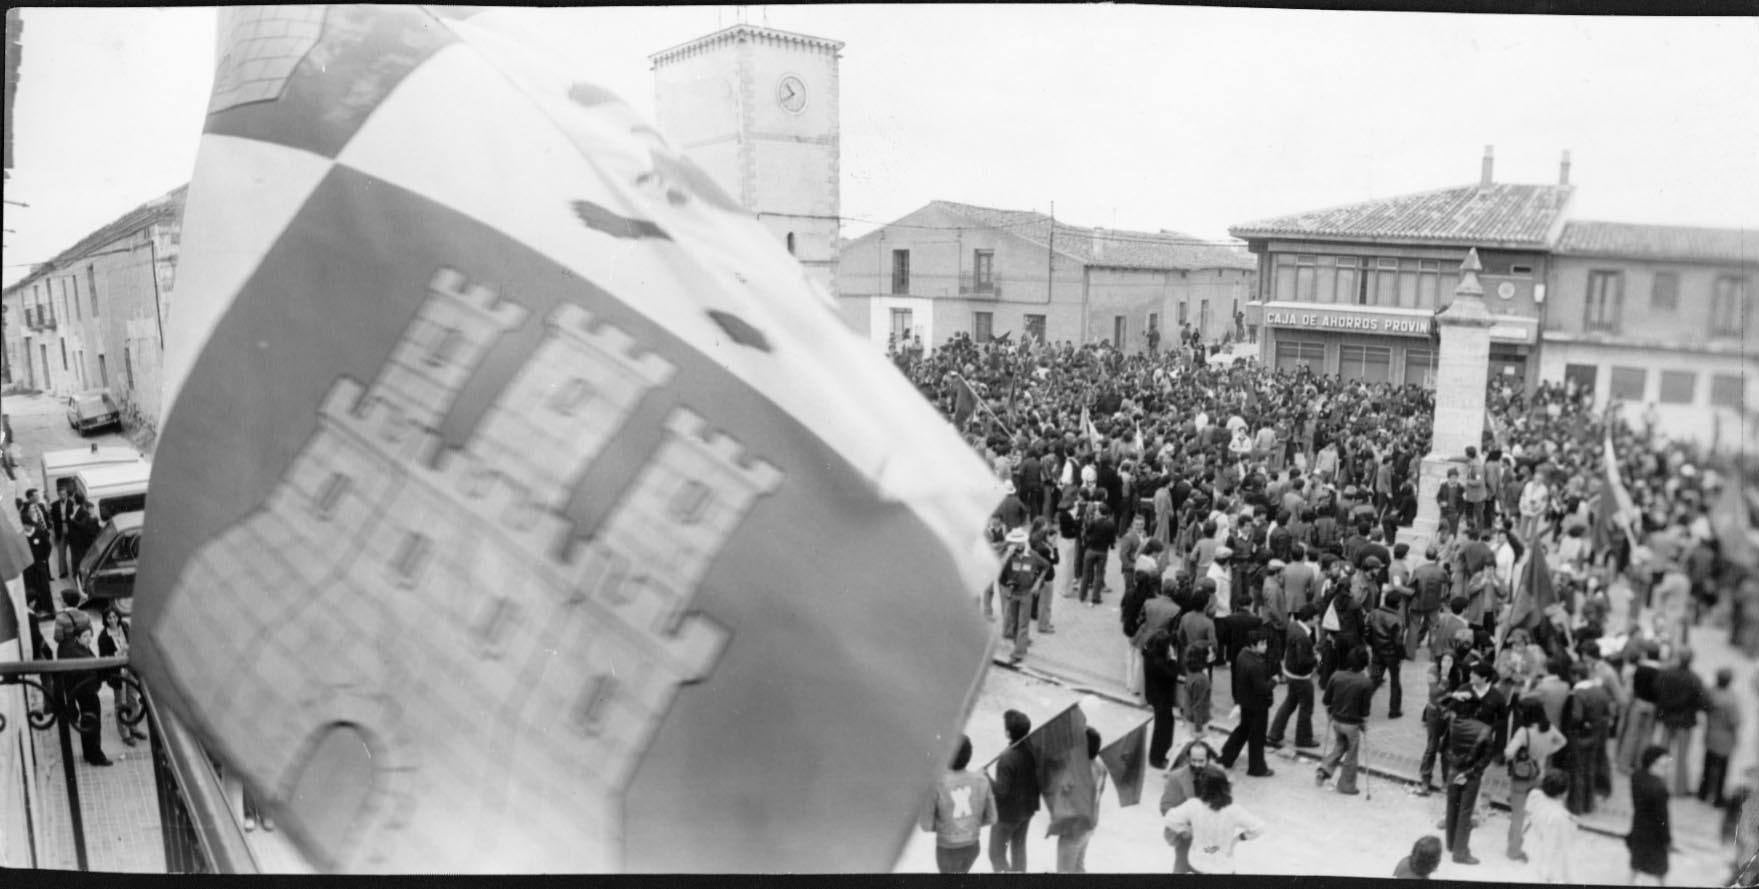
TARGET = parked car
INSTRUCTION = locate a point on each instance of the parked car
(93, 409)
(107, 573)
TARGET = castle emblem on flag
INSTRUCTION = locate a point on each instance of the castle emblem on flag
(399, 557)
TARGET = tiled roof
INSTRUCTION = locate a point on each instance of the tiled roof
(1498, 215)
(166, 206)
(1682, 242)
(1118, 248)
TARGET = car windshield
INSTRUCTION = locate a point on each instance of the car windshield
(95, 403)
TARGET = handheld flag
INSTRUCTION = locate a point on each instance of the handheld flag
(1124, 760)
(964, 402)
(1065, 777)
(489, 505)
(1533, 590)
(1616, 509)
(1732, 522)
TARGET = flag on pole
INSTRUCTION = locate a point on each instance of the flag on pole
(490, 510)
(1615, 511)
(1533, 590)
(1124, 760)
(965, 402)
(1065, 775)
(1732, 521)
(1088, 428)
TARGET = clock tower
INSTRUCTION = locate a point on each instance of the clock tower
(757, 109)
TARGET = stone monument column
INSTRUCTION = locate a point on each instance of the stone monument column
(1461, 373)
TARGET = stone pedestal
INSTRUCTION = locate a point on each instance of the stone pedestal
(1462, 371)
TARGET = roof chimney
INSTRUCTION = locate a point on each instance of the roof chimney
(1098, 242)
(1489, 161)
(1563, 169)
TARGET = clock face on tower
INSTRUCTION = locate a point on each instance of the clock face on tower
(791, 94)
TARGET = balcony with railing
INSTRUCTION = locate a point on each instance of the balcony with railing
(161, 812)
(39, 318)
(975, 287)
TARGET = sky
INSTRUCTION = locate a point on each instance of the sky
(1139, 117)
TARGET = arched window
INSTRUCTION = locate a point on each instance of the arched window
(790, 243)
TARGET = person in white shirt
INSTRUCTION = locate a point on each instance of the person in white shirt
(1505, 561)
(1551, 831)
(1215, 824)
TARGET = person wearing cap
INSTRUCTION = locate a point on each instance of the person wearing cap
(1276, 607)
(1220, 578)
(1022, 576)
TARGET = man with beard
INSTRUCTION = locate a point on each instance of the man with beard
(1181, 785)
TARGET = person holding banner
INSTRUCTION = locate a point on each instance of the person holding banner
(1072, 846)
(1016, 795)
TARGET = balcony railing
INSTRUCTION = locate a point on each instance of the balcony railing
(39, 318)
(987, 288)
(197, 829)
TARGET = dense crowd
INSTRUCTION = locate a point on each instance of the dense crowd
(1256, 515)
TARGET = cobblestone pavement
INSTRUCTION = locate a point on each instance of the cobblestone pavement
(1086, 656)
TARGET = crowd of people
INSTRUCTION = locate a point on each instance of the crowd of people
(1256, 516)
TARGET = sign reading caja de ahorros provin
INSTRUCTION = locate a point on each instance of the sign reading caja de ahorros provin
(1350, 322)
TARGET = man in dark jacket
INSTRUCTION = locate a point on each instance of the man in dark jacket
(80, 689)
(1679, 697)
(1347, 697)
(1299, 663)
(1430, 585)
(1469, 751)
(1097, 539)
(60, 520)
(1160, 688)
(1386, 644)
(1253, 687)
(1016, 792)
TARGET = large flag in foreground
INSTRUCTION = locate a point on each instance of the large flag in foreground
(520, 505)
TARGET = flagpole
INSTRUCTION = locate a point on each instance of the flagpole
(1013, 744)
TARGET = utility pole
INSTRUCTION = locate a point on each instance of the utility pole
(1050, 259)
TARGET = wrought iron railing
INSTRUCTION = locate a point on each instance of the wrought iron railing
(200, 833)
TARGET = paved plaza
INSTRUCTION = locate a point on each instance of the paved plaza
(1083, 659)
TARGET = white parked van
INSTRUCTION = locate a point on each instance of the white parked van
(59, 467)
(114, 489)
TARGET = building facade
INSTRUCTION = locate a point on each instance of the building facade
(93, 317)
(758, 110)
(1661, 319)
(951, 268)
(1353, 290)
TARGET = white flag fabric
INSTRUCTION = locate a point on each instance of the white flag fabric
(519, 504)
